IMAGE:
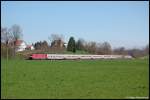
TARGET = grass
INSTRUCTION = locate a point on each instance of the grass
(74, 79)
(77, 52)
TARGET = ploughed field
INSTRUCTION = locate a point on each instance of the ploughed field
(46, 79)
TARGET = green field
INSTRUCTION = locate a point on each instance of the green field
(74, 79)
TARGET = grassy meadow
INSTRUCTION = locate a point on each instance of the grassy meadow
(46, 79)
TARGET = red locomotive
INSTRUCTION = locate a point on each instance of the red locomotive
(38, 56)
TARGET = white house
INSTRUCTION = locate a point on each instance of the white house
(20, 45)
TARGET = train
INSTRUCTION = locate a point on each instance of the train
(75, 57)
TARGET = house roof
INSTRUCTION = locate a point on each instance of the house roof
(18, 42)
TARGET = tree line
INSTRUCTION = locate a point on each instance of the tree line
(94, 47)
(57, 44)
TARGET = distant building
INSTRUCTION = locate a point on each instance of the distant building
(20, 45)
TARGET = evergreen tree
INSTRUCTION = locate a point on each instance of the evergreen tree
(71, 45)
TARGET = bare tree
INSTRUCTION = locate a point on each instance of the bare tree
(6, 38)
(45, 45)
(3, 34)
(41, 45)
(146, 49)
(54, 37)
(106, 48)
(99, 49)
(135, 52)
(91, 47)
(80, 44)
(57, 42)
(120, 51)
(16, 32)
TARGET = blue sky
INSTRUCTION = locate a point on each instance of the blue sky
(121, 23)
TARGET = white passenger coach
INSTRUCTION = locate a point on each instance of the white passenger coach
(68, 56)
